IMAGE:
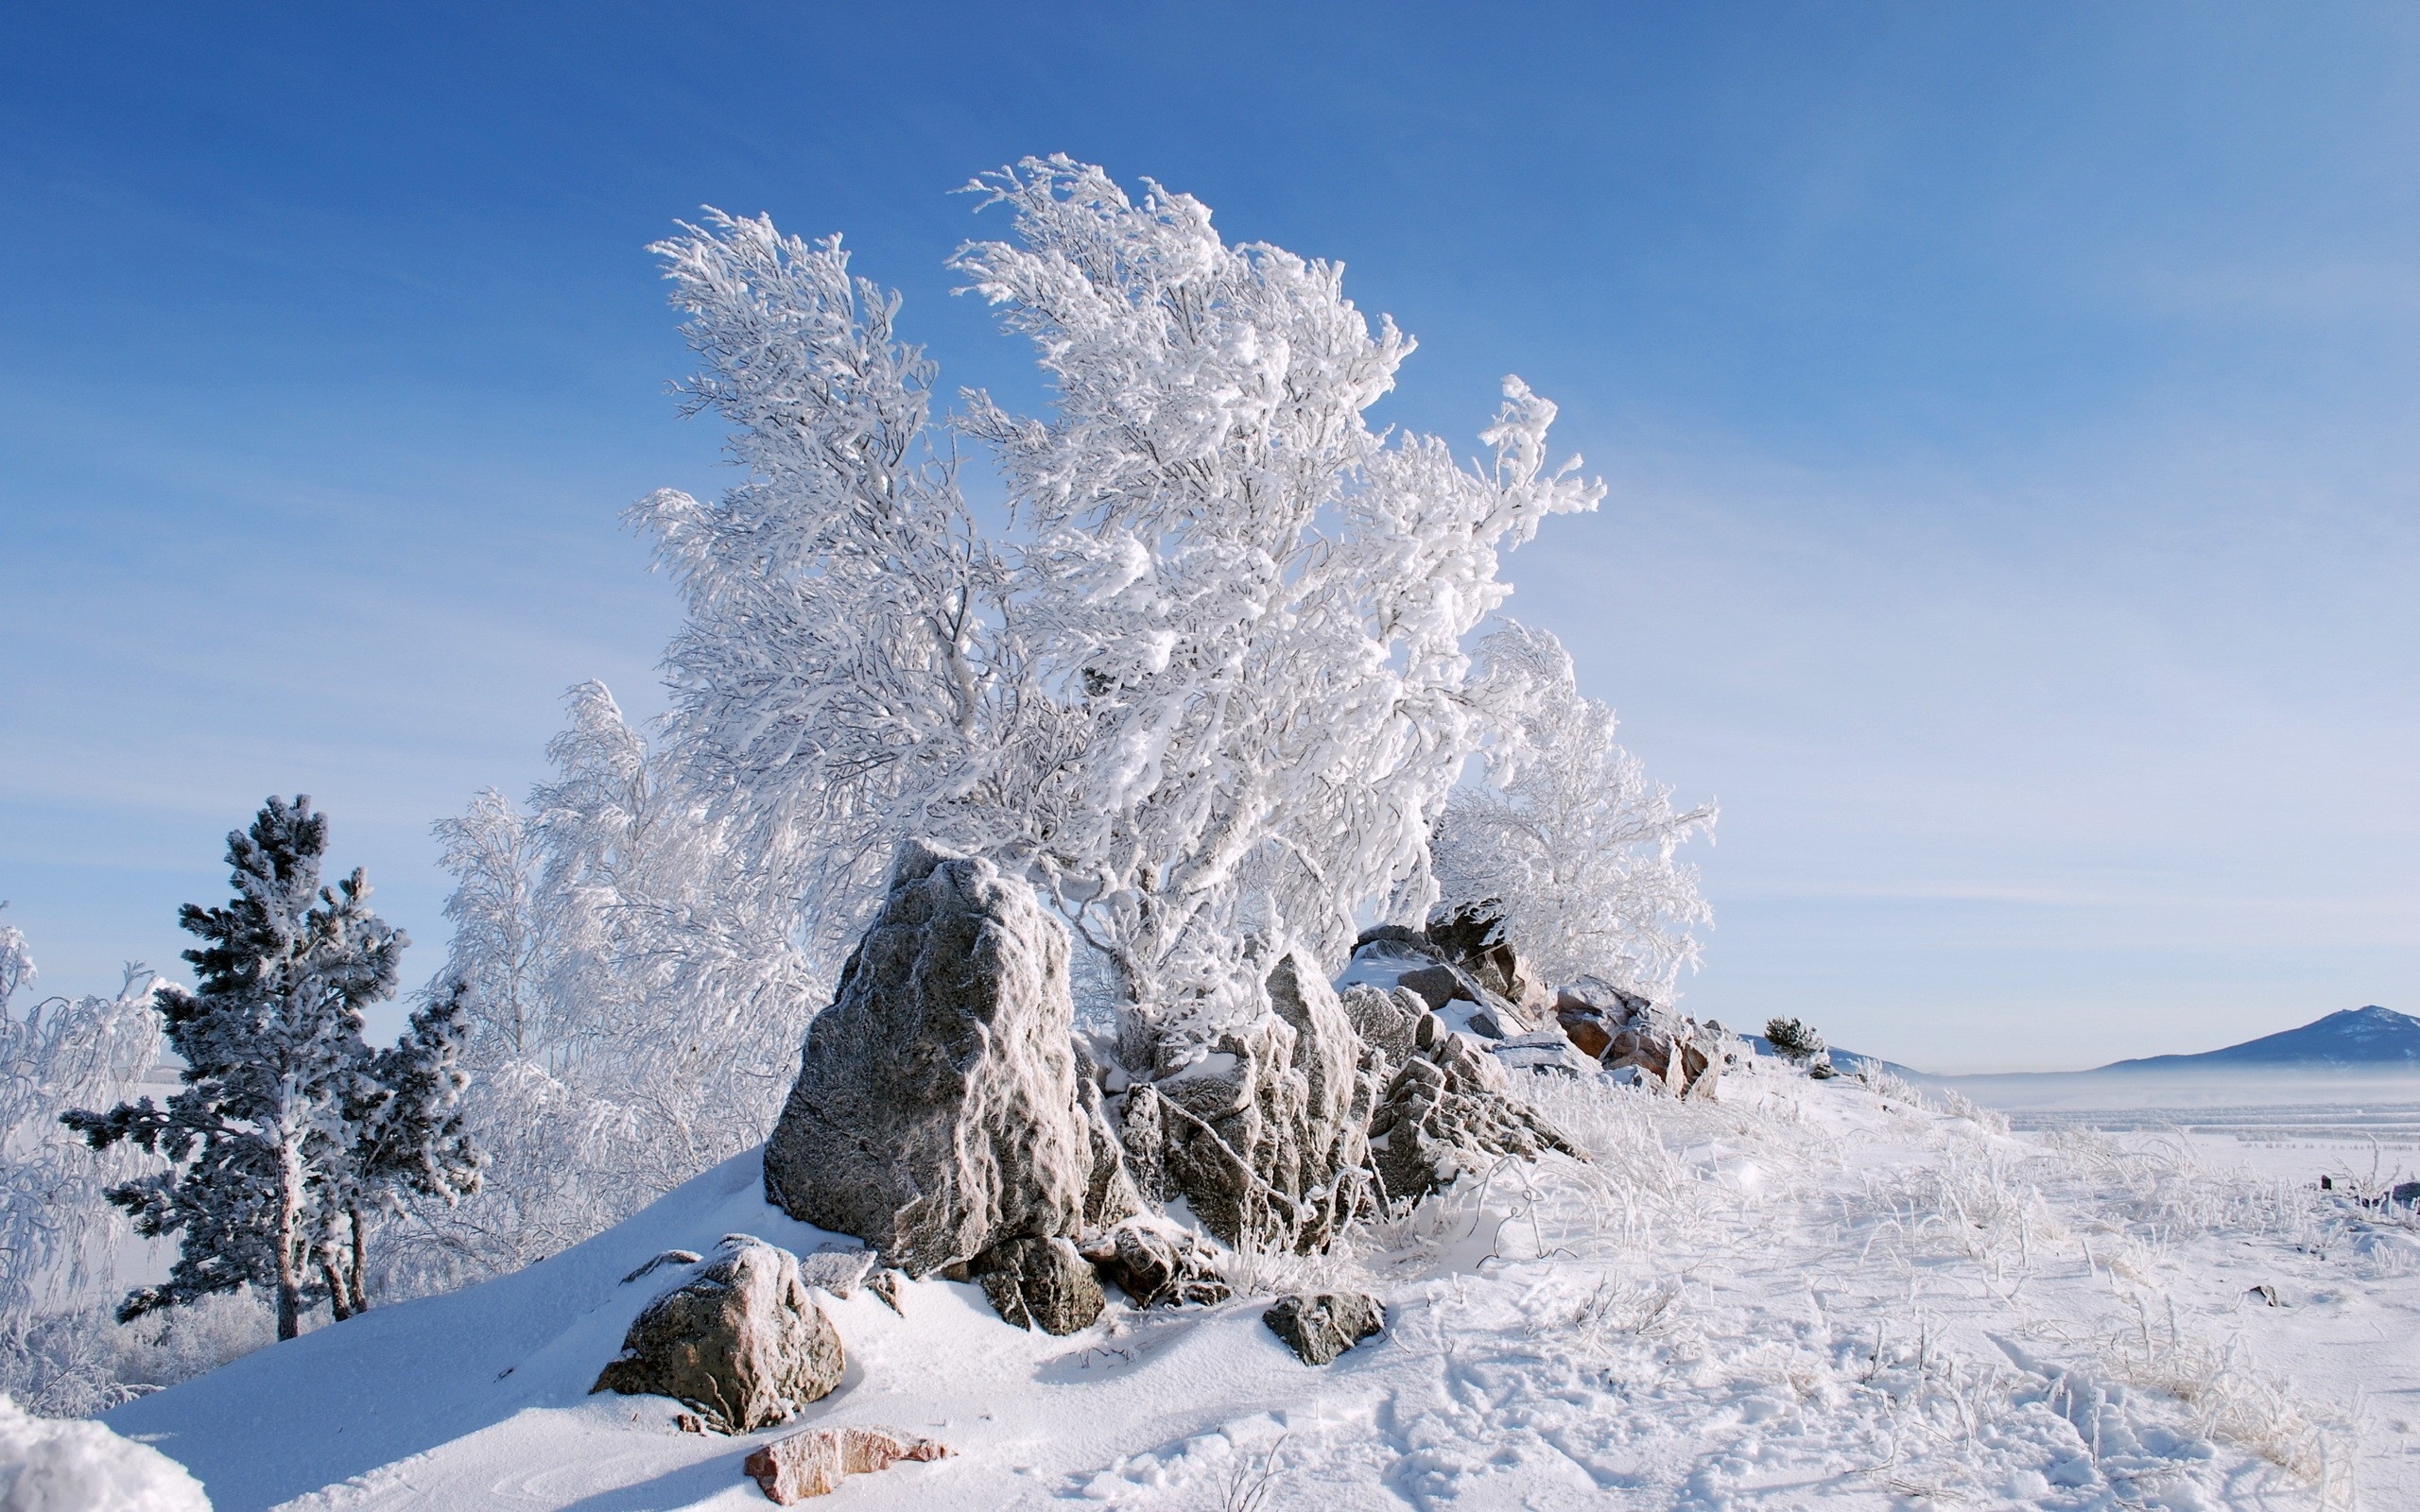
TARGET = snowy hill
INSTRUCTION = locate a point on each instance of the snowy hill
(2366, 1039)
(1807, 1292)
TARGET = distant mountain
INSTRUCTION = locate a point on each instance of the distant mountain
(2353, 1039)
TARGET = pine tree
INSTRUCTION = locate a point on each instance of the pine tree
(289, 1130)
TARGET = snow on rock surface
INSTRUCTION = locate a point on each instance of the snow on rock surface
(48, 1465)
(1805, 1295)
(741, 1341)
(936, 1112)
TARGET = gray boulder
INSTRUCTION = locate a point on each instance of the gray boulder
(1472, 936)
(1320, 1328)
(742, 1341)
(1040, 1283)
(938, 1110)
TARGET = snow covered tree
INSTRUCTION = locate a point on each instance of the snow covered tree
(285, 1136)
(59, 1238)
(1210, 689)
(1794, 1041)
(1215, 694)
(1567, 833)
(634, 991)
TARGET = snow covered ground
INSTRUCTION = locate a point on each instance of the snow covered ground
(1808, 1292)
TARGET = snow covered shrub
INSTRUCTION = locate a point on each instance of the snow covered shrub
(1567, 833)
(49, 1466)
(1793, 1041)
(59, 1238)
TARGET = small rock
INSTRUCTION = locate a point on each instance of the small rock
(1159, 1267)
(2267, 1294)
(885, 1287)
(670, 1257)
(1320, 1328)
(1040, 1282)
(812, 1463)
(688, 1422)
(742, 1341)
(838, 1268)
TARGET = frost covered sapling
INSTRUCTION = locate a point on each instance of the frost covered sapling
(1567, 833)
(1797, 1042)
(289, 1130)
(59, 1238)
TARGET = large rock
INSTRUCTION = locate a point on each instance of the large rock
(1320, 1328)
(1465, 1000)
(1264, 1132)
(1388, 1022)
(742, 1341)
(812, 1463)
(1040, 1283)
(938, 1110)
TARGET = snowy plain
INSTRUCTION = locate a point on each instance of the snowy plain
(1838, 1294)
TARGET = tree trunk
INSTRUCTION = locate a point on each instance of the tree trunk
(291, 1258)
(360, 1295)
(336, 1293)
(289, 1267)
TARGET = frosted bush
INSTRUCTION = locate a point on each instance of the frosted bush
(47, 1465)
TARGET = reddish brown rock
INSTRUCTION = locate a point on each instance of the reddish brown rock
(812, 1463)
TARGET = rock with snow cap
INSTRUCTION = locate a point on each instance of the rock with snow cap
(1159, 1265)
(1264, 1132)
(741, 1341)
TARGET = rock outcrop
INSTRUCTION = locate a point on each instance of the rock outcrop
(1623, 1029)
(1320, 1328)
(1448, 1110)
(1264, 1133)
(1040, 1283)
(812, 1463)
(742, 1341)
(938, 1110)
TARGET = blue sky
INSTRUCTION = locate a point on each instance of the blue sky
(2010, 414)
